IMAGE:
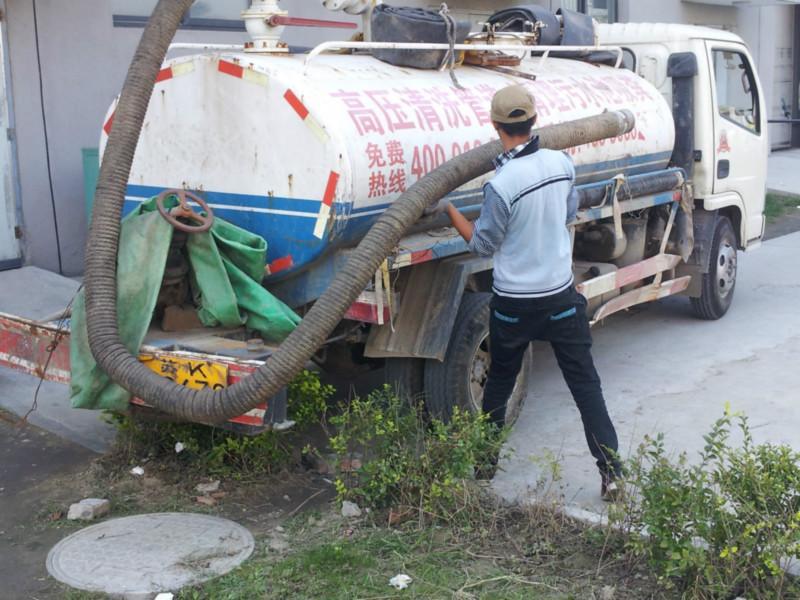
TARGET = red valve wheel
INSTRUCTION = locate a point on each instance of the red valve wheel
(184, 211)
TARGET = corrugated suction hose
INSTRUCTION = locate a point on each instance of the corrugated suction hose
(207, 406)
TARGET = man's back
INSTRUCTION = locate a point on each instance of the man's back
(534, 258)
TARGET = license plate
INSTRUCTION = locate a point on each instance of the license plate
(194, 374)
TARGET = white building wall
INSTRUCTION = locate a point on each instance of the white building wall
(769, 32)
(677, 11)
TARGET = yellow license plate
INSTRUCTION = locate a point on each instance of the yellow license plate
(194, 374)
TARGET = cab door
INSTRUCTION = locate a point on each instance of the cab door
(740, 132)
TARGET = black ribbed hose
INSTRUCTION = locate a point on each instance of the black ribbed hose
(211, 406)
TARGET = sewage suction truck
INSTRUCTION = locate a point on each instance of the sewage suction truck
(332, 153)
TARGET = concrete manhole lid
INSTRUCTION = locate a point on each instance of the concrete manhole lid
(149, 553)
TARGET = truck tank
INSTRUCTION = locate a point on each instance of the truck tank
(307, 152)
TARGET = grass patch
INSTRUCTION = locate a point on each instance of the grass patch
(509, 554)
(778, 204)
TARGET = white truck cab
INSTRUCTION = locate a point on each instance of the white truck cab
(730, 121)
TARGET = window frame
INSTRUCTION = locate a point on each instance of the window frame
(187, 23)
(626, 51)
(753, 91)
(583, 6)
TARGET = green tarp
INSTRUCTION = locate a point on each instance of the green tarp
(227, 265)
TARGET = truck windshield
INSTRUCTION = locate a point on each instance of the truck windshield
(737, 97)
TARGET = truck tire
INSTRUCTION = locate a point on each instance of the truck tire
(719, 283)
(406, 376)
(459, 379)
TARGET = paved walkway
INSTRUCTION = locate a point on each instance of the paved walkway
(37, 294)
(665, 371)
(783, 173)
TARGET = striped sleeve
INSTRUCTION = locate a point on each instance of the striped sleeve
(489, 229)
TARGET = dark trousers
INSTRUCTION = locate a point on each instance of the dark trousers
(561, 320)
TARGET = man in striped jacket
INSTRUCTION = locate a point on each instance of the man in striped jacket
(523, 225)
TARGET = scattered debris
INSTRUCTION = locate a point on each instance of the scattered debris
(278, 545)
(400, 582)
(55, 515)
(206, 500)
(138, 471)
(398, 516)
(207, 488)
(313, 461)
(349, 465)
(350, 509)
(287, 498)
(609, 592)
(218, 495)
(89, 509)
(179, 447)
(279, 529)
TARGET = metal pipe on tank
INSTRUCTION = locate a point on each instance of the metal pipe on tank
(590, 196)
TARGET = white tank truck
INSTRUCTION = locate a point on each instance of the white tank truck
(308, 148)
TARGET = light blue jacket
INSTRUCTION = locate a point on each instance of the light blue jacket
(523, 222)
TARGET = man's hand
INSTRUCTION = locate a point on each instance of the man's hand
(462, 225)
(437, 209)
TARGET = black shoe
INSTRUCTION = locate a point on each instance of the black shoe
(611, 488)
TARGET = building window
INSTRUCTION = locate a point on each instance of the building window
(605, 11)
(220, 15)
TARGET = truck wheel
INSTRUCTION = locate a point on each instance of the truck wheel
(406, 376)
(719, 283)
(460, 378)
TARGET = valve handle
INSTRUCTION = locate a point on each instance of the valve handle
(278, 20)
(184, 210)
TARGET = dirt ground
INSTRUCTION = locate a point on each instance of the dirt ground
(36, 469)
(41, 475)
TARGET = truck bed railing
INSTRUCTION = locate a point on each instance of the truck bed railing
(544, 50)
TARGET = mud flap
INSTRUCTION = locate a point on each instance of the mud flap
(703, 224)
(426, 311)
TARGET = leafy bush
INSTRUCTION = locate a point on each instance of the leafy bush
(406, 461)
(220, 452)
(308, 399)
(723, 527)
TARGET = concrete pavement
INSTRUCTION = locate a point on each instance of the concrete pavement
(665, 371)
(783, 175)
(36, 294)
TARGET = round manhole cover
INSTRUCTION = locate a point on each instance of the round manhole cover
(149, 553)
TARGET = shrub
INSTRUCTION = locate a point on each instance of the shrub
(723, 527)
(308, 399)
(408, 462)
(220, 452)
